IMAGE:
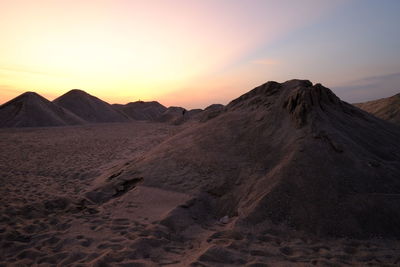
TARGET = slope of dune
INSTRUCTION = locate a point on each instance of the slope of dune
(89, 108)
(386, 108)
(141, 110)
(289, 154)
(32, 110)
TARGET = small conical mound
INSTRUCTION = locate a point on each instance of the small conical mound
(32, 110)
(386, 108)
(89, 108)
(141, 110)
(289, 154)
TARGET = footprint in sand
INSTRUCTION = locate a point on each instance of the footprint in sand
(86, 243)
(54, 259)
(111, 246)
(121, 221)
(73, 258)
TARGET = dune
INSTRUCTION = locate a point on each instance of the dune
(89, 108)
(141, 110)
(385, 108)
(32, 110)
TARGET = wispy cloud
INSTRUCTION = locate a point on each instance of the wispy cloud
(375, 80)
(8, 92)
(9, 89)
(266, 61)
(22, 70)
(370, 88)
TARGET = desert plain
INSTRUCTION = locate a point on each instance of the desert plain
(145, 193)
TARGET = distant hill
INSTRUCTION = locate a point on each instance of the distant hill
(141, 110)
(193, 113)
(89, 108)
(32, 110)
(173, 115)
(179, 115)
(211, 111)
(385, 108)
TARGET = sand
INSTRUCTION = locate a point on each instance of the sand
(47, 220)
(286, 174)
(44, 173)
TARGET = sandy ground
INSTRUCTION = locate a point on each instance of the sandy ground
(45, 219)
(43, 174)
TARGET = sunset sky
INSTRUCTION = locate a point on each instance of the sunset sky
(193, 53)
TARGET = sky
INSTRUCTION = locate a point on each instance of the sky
(193, 53)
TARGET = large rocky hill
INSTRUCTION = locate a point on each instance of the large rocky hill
(289, 154)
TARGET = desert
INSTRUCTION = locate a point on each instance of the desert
(278, 177)
(187, 133)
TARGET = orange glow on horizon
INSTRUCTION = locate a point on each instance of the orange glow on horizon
(122, 51)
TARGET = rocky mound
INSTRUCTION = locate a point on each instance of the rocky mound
(386, 108)
(33, 110)
(289, 154)
(89, 108)
(141, 110)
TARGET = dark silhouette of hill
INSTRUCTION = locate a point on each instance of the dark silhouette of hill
(290, 154)
(32, 110)
(385, 108)
(141, 110)
(179, 115)
(89, 108)
(193, 112)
